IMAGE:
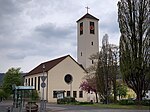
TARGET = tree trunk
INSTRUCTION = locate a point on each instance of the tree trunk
(139, 97)
(96, 97)
(115, 94)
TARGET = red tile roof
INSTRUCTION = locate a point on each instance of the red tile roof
(48, 65)
(87, 16)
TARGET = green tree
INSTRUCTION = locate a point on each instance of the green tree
(121, 90)
(2, 94)
(107, 69)
(133, 18)
(12, 76)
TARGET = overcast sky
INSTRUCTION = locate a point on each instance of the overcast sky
(35, 31)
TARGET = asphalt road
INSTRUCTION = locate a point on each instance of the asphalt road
(77, 108)
(70, 108)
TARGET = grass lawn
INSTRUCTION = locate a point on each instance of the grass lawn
(117, 106)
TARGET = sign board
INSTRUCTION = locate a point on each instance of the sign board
(60, 96)
(43, 78)
(43, 85)
(24, 87)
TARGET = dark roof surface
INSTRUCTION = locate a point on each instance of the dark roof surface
(88, 16)
(48, 65)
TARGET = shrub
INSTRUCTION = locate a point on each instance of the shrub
(31, 95)
(111, 99)
(35, 95)
(66, 100)
(126, 102)
(123, 102)
(145, 102)
(130, 102)
(84, 103)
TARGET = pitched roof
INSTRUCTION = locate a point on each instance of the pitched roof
(48, 65)
(87, 15)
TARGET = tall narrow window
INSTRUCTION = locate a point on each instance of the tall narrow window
(92, 28)
(31, 81)
(39, 84)
(54, 94)
(74, 94)
(81, 28)
(92, 43)
(35, 83)
(81, 53)
(80, 94)
(26, 82)
(92, 61)
(68, 93)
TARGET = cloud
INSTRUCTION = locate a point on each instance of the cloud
(33, 31)
(8, 7)
(16, 55)
(108, 24)
(50, 30)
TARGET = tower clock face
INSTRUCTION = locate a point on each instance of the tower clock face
(68, 79)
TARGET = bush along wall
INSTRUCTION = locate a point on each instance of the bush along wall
(66, 100)
(134, 102)
(126, 102)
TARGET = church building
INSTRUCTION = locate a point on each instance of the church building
(64, 75)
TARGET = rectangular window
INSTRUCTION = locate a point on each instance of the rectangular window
(26, 82)
(92, 61)
(39, 84)
(92, 28)
(31, 81)
(81, 53)
(68, 93)
(92, 43)
(74, 94)
(80, 94)
(81, 28)
(35, 83)
(54, 94)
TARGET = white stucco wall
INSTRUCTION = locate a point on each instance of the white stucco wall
(56, 78)
(41, 89)
(84, 42)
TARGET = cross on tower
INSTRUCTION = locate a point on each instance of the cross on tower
(87, 8)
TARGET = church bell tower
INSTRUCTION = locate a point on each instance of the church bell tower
(87, 39)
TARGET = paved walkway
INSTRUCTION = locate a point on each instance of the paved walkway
(4, 105)
(70, 108)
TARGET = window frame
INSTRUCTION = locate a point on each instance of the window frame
(81, 27)
(68, 94)
(80, 94)
(92, 27)
(75, 94)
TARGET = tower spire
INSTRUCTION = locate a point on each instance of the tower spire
(87, 8)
